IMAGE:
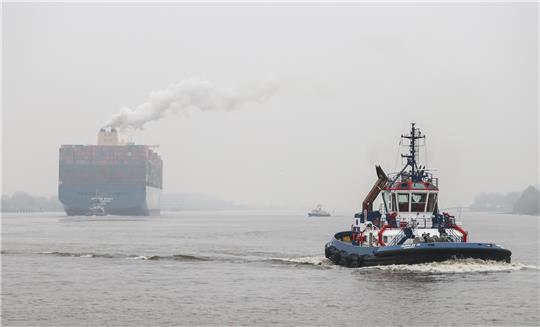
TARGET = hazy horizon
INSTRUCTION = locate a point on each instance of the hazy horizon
(347, 79)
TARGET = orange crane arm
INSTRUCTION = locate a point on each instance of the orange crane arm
(375, 190)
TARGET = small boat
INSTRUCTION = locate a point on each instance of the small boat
(409, 228)
(97, 206)
(318, 212)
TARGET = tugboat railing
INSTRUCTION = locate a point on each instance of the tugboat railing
(453, 235)
(397, 238)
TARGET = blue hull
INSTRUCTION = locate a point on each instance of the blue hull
(130, 199)
(348, 255)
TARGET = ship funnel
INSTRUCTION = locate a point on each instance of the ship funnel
(107, 137)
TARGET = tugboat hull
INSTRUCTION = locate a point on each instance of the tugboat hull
(348, 255)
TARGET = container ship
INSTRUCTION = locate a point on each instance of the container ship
(122, 178)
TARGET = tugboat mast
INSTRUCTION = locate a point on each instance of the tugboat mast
(413, 149)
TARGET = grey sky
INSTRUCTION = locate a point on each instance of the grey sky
(351, 77)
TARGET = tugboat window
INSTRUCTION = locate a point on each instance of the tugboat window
(403, 201)
(431, 202)
(394, 205)
(418, 203)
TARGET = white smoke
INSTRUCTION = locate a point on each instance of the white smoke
(190, 93)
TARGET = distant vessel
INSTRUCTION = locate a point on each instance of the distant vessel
(97, 207)
(410, 228)
(127, 177)
(318, 212)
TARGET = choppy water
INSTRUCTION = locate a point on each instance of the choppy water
(250, 268)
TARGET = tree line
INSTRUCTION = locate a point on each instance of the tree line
(24, 202)
(523, 203)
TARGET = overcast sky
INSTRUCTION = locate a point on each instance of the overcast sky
(350, 78)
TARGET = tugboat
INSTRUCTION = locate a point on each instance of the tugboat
(318, 212)
(97, 206)
(409, 227)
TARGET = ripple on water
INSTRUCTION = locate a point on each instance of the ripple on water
(457, 267)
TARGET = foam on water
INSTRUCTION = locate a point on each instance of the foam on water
(139, 257)
(315, 261)
(78, 255)
(177, 257)
(457, 267)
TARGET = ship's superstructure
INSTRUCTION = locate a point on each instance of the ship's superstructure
(410, 200)
(409, 227)
(128, 176)
(318, 212)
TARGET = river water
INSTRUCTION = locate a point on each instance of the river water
(250, 268)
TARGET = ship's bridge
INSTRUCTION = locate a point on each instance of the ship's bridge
(412, 199)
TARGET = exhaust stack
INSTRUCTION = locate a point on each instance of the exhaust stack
(108, 137)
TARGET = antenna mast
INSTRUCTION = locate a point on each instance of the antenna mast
(413, 137)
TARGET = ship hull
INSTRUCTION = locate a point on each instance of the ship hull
(124, 200)
(348, 255)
